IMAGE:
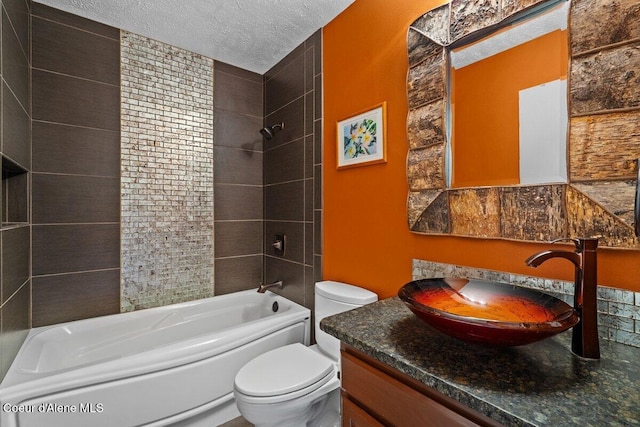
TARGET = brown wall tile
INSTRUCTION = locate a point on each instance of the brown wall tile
(315, 41)
(16, 244)
(285, 86)
(237, 274)
(234, 166)
(76, 21)
(64, 99)
(59, 148)
(75, 199)
(222, 67)
(94, 57)
(317, 233)
(15, 326)
(309, 147)
(308, 199)
(74, 248)
(16, 193)
(238, 202)
(16, 129)
(285, 202)
(15, 64)
(284, 62)
(309, 243)
(285, 163)
(317, 187)
(309, 112)
(317, 268)
(317, 141)
(309, 72)
(309, 292)
(75, 296)
(234, 93)
(317, 99)
(18, 13)
(237, 130)
(238, 238)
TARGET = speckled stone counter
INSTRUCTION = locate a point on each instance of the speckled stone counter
(540, 384)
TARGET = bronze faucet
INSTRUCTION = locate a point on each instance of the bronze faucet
(263, 288)
(584, 341)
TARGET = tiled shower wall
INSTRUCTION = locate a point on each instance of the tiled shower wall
(292, 170)
(76, 167)
(268, 187)
(167, 174)
(15, 150)
(238, 156)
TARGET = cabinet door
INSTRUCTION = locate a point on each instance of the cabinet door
(393, 401)
(354, 416)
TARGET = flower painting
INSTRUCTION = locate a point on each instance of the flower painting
(361, 138)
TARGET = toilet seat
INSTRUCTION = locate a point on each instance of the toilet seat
(283, 374)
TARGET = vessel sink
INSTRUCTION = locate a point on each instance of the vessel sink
(487, 312)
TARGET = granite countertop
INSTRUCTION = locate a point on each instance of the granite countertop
(540, 384)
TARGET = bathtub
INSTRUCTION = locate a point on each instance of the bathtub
(171, 365)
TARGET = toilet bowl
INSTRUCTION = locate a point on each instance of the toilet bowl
(295, 385)
(288, 386)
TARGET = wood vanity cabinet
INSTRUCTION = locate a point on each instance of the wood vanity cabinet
(374, 394)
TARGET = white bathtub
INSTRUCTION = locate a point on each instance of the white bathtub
(171, 365)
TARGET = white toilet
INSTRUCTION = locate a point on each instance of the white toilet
(296, 385)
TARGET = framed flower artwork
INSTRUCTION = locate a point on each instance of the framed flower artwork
(362, 138)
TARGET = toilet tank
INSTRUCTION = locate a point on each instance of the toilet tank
(333, 298)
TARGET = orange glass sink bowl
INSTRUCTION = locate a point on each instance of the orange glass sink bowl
(487, 312)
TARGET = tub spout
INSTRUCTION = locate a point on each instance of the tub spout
(585, 334)
(263, 288)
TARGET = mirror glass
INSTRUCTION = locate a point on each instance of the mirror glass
(507, 111)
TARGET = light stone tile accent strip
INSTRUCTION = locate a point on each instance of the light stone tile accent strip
(167, 174)
(618, 317)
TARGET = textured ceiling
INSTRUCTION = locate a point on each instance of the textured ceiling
(250, 34)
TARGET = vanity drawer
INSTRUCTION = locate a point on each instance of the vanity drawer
(387, 400)
(354, 416)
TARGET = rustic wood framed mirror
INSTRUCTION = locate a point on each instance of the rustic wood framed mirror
(603, 121)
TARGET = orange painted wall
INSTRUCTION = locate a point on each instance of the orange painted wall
(366, 240)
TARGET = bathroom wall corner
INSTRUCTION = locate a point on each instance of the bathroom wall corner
(292, 170)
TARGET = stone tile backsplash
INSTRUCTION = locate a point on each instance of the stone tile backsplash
(167, 174)
(618, 309)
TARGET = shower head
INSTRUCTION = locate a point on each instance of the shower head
(269, 131)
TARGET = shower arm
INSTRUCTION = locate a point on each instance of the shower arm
(270, 131)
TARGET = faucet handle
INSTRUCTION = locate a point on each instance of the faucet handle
(575, 241)
(588, 243)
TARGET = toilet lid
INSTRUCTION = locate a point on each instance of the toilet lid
(283, 370)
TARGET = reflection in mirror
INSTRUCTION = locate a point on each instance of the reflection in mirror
(507, 105)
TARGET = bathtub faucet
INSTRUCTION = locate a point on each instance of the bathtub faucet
(585, 334)
(262, 288)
